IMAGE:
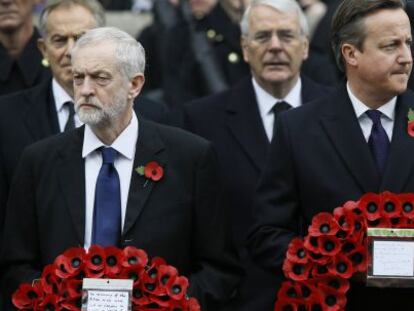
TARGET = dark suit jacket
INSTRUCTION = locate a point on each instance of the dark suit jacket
(29, 116)
(231, 121)
(24, 72)
(176, 218)
(318, 161)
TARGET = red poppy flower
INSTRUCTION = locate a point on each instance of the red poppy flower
(407, 205)
(153, 171)
(352, 206)
(391, 206)
(150, 284)
(358, 257)
(95, 261)
(311, 243)
(338, 284)
(27, 297)
(113, 259)
(176, 289)
(50, 302)
(166, 275)
(410, 128)
(333, 299)
(139, 297)
(323, 224)
(296, 251)
(320, 271)
(319, 258)
(134, 257)
(132, 273)
(370, 204)
(73, 288)
(290, 290)
(70, 263)
(341, 267)
(50, 283)
(296, 271)
(329, 245)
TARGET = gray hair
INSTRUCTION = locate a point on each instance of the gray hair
(284, 6)
(129, 53)
(93, 6)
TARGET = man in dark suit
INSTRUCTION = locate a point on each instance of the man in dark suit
(20, 59)
(44, 110)
(338, 148)
(237, 122)
(59, 189)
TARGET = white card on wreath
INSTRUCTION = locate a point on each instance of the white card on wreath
(106, 295)
(393, 258)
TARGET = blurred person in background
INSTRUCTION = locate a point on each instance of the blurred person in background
(154, 38)
(204, 54)
(20, 60)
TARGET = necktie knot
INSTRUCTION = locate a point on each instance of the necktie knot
(374, 115)
(108, 155)
(280, 106)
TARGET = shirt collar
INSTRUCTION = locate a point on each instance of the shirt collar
(125, 143)
(266, 101)
(59, 95)
(388, 109)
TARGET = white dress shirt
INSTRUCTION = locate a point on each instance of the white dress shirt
(387, 116)
(61, 97)
(125, 144)
(266, 102)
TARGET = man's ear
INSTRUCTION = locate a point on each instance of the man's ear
(350, 54)
(243, 44)
(136, 84)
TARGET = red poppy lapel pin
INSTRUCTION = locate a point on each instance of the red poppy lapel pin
(410, 122)
(152, 170)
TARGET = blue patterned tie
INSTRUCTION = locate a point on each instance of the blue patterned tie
(107, 211)
(378, 140)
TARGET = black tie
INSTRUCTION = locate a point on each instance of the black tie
(378, 140)
(70, 123)
(278, 108)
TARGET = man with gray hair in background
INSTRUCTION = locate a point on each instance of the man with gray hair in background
(240, 121)
(59, 197)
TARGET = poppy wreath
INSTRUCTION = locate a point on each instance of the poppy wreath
(318, 267)
(157, 286)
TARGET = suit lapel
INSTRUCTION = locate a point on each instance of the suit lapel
(342, 128)
(149, 147)
(399, 166)
(40, 113)
(245, 123)
(71, 177)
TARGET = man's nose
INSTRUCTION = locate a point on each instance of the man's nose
(86, 88)
(274, 42)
